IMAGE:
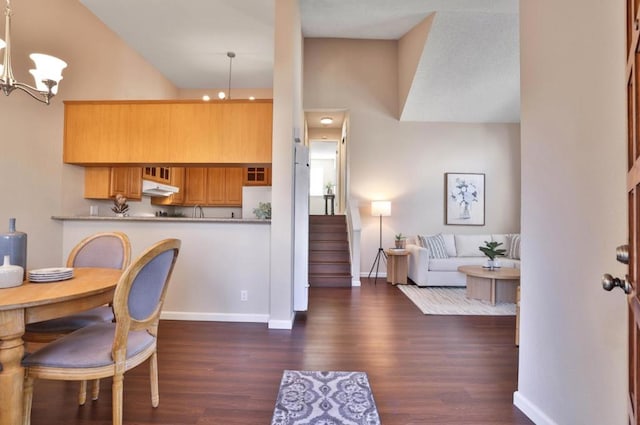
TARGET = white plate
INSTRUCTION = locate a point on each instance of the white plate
(51, 270)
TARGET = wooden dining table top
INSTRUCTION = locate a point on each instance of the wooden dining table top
(85, 282)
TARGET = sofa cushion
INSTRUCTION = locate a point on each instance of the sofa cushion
(504, 239)
(435, 245)
(450, 244)
(451, 264)
(468, 245)
(514, 247)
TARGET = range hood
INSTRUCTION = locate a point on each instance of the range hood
(151, 188)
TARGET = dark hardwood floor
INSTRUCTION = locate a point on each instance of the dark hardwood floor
(422, 369)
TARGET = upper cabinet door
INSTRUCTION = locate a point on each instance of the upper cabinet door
(168, 132)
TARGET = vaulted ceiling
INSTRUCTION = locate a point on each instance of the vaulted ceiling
(467, 69)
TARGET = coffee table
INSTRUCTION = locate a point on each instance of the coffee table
(497, 285)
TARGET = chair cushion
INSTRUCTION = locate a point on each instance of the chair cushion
(73, 322)
(87, 347)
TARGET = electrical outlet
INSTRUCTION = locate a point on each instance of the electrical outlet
(244, 295)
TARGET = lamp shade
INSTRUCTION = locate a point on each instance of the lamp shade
(47, 67)
(381, 208)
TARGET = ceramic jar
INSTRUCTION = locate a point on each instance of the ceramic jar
(10, 275)
(14, 244)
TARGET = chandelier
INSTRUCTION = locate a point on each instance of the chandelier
(47, 74)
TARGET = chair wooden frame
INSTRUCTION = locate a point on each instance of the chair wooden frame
(123, 325)
(39, 337)
(124, 239)
(46, 337)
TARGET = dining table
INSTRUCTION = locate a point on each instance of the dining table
(33, 302)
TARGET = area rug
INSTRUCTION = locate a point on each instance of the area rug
(325, 398)
(446, 300)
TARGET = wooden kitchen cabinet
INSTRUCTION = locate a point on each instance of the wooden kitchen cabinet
(176, 178)
(256, 176)
(168, 132)
(213, 186)
(157, 174)
(109, 133)
(107, 182)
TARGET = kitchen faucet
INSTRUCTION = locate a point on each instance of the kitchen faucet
(195, 208)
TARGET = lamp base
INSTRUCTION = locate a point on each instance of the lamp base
(376, 263)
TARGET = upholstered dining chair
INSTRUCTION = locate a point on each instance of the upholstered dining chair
(112, 348)
(105, 249)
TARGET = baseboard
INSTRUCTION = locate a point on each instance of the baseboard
(531, 410)
(355, 282)
(214, 317)
(282, 324)
(380, 275)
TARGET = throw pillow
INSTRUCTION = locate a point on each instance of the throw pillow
(514, 247)
(469, 245)
(436, 246)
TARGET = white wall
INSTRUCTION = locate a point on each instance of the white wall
(405, 162)
(287, 119)
(209, 273)
(573, 334)
(35, 183)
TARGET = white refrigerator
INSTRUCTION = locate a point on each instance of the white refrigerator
(301, 228)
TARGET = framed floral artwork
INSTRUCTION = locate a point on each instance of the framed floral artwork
(464, 203)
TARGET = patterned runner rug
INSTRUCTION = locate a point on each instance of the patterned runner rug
(325, 398)
(446, 300)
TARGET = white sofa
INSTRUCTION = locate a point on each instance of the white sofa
(461, 250)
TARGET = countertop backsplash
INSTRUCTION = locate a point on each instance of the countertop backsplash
(144, 208)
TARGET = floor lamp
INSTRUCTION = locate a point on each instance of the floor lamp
(379, 208)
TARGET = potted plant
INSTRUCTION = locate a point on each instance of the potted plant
(329, 187)
(263, 211)
(491, 250)
(401, 241)
(120, 206)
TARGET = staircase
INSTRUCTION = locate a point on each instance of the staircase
(329, 261)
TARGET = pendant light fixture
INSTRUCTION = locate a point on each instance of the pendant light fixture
(222, 95)
(47, 74)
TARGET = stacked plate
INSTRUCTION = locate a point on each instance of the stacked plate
(52, 274)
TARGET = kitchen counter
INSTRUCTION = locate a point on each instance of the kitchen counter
(220, 260)
(163, 219)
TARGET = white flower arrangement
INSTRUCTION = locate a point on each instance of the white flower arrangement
(464, 193)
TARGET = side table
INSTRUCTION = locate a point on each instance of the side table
(328, 199)
(397, 264)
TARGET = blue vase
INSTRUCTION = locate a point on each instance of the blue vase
(14, 244)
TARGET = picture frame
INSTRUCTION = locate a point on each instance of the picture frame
(464, 199)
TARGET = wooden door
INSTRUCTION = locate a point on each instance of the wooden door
(195, 186)
(233, 186)
(633, 189)
(216, 186)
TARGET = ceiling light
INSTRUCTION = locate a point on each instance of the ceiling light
(221, 95)
(206, 98)
(252, 98)
(47, 74)
(326, 120)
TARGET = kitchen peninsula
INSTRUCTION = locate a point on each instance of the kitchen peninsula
(220, 260)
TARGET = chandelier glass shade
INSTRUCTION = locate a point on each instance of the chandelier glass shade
(47, 73)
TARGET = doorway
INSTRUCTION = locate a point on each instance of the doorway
(323, 173)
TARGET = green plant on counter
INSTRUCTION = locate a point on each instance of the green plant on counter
(263, 210)
(491, 250)
(400, 237)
